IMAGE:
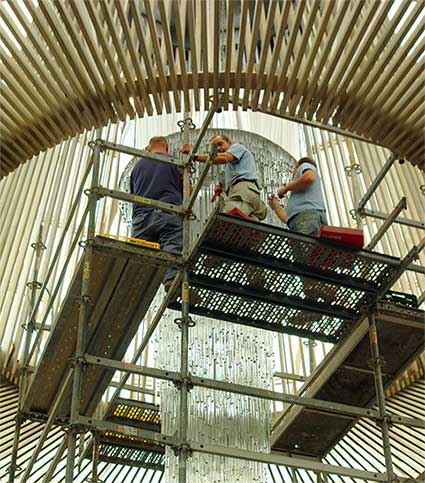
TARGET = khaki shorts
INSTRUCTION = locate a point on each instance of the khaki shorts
(246, 197)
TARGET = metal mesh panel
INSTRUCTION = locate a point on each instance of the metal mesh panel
(134, 413)
(283, 247)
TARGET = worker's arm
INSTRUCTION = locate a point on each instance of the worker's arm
(275, 206)
(300, 184)
(221, 158)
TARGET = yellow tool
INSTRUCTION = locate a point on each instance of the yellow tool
(137, 241)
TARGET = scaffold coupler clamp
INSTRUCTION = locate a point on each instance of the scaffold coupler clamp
(188, 121)
(97, 142)
(94, 190)
(84, 299)
(384, 418)
(38, 245)
(184, 447)
(184, 380)
(179, 321)
(34, 284)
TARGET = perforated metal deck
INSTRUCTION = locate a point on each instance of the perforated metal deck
(125, 278)
(401, 336)
(267, 277)
(126, 450)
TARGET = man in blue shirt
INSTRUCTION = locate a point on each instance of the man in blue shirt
(158, 181)
(305, 211)
(240, 177)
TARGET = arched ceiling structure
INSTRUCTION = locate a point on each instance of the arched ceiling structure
(70, 65)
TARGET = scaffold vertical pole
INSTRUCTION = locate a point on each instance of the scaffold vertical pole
(95, 467)
(83, 314)
(380, 394)
(185, 319)
(34, 285)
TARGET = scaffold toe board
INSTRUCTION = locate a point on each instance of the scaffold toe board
(125, 278)
(259, 275)
(401, 337)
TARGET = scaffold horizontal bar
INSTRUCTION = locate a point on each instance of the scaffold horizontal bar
(402, 221)
(142, 153)
(327, 406)
(289, 461)
(288, 376)
(140, 200)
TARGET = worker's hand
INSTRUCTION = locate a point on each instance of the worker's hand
(186, 149)
(281, 192)
(273, 202)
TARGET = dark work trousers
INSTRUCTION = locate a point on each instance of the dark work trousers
(163, 228)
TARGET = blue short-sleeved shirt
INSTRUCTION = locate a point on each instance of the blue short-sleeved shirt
(157, 181)
(308, 199)
(242, 168)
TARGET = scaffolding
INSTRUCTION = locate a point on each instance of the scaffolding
(249, 246)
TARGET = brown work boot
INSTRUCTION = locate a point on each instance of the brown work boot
(194, 298)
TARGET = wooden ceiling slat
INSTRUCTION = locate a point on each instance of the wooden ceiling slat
(167, 45)
(276, 53)
(21, 114)
(45, 19)
(141, 88)
(75, 65)
(26, 96)
(306, 67)
(108, 13)
(339, 62)
(259, 6)
(102, 37)
(382, 77)
(179, 15)
(193, 52)
(240, 52)
(381, 57)
(294, 36)
(328, 41)
(95, 53)
(151, 79)
(307, 28)
(157, 52)
(37, 71)
(76, 36)
(230, 52)
(266, 52)
(202, 7)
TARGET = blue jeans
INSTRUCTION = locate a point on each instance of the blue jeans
(308, 222)
(163, 228)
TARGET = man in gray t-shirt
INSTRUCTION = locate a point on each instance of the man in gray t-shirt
(305, 211)
(240, 177)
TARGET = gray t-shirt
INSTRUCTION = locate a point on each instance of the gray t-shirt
(308, 199)
(242, 168)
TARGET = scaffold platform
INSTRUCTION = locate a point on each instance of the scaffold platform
(127, 450)
(349, 379)
(267, 277)
(125, 278)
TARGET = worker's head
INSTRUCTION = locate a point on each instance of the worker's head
(306, 160)
(223, 143)
(158, 144)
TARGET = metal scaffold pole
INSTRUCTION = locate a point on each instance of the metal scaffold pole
(183, 448)
(83, 315)
(384, 419)
(34, 285)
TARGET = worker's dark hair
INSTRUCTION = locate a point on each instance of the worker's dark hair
(228, 140)
(307, 160)
(158, 140)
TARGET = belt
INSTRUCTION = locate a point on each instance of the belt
(247, 180)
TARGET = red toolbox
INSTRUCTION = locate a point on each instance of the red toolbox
(347, 236)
